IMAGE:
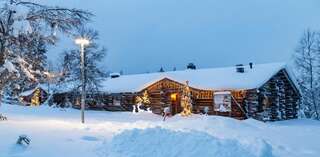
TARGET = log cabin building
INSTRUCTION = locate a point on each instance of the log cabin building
(265, 92)
(34, 96)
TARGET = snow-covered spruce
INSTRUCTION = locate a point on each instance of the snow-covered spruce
(24, 40)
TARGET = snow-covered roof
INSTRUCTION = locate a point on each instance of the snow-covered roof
(67, 86)
(212, 79)
(29, 92)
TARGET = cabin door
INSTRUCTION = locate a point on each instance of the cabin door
(175, 103)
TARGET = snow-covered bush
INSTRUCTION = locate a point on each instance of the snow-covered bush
(139, 107)
(142, 103)
(23, 140)
(206, 110)
(3, 118)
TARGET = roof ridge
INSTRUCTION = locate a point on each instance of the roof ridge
(225, 67)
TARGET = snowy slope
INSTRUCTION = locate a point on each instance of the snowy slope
(115, 134)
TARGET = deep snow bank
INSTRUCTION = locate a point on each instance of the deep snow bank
(159, 142)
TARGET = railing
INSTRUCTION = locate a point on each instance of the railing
(242, 110)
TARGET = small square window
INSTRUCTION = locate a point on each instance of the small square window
(116, 102)
(222, 101)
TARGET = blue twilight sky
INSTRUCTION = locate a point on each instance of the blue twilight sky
(143, 35)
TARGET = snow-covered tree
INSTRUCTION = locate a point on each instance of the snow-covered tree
(142, 103)
(25, 29)
(307, 59)
(94, 55)
(33, 52)
(161, 69)
(186, 101)
(36, 56)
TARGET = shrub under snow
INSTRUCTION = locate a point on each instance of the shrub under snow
(3, 118)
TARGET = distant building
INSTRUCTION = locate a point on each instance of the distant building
(34, 97)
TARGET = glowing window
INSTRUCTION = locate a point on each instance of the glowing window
(173, 97)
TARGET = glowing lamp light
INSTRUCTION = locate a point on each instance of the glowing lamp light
(82, 41)
(173, 97)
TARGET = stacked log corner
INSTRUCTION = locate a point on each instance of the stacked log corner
(282, 100)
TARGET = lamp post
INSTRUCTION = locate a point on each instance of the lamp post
(82, 42)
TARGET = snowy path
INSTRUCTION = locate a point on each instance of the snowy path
(56, 133)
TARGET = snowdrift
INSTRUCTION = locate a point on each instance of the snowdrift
(159, 142)
(122, 134)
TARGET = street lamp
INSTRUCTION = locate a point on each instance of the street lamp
(82, 42)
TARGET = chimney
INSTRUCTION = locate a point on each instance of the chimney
(191, 66)
(115, 75)
(240, 68)
(251, 65)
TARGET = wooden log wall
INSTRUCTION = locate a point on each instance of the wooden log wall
(119, 101)
(281, 98)
(251, 103)
(239, 97)
(159, 100)
(281, 103)
(273, 100)
(161, 91)
(160, 97)
(97, 101)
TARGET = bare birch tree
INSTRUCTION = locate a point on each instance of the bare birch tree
(307, 59)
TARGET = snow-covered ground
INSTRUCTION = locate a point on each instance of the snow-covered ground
(55, 132)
